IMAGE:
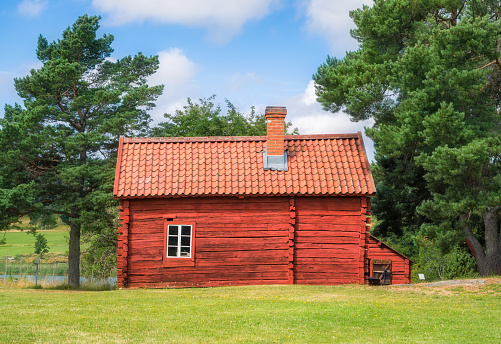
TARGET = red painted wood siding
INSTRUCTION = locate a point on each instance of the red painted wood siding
(400, 266)
(327, 249)
(254, 240)
(238, 241)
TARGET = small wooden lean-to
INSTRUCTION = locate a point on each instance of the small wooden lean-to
(213, 211)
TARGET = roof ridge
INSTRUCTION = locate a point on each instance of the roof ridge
(235, 138)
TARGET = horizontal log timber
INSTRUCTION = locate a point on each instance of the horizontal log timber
(140, 267)
(217, 219)
(325, 269)
(327, 276)
(221, 234)
(200, 282)
(328, 233)
(394, 258)
(242, 254)
(250, 226)
(155, 236)
(216, 275)
(330, 212)
(303, 253)
(248, 241)
(207, 208)
(241, 261)
(325, 260)
(328, 281)
(327, 203)
(326, 240)
(204, 283)
(332, 247)
(157, 262)
(322, 227)
(329, 220)
(146, 245)
(201, 247)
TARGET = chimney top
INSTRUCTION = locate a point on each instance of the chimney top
(275, 110)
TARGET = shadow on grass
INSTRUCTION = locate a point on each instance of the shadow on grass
(84, 287)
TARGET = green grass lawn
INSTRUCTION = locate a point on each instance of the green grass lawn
(254, 314)
(21, 242)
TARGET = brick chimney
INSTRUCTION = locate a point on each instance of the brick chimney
(275, 125)
(274, 157)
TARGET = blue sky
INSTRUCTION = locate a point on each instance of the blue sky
(252, 52)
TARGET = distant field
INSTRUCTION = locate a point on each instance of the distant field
(21, 242)
(255, 314)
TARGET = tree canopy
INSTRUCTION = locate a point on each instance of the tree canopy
(204, 118)
(56, 152)
(429, 73)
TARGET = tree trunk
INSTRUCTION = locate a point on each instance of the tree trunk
(74, 255)
(488, 260)
(492, 247)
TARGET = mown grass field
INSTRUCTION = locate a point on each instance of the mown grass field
(23, 243)
(254, 314)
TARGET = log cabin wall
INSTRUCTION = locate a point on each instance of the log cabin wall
(237, 241)
(327, 244)
(253, 240)
(242, 241)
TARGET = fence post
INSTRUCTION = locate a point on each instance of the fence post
(37, 261)
(6, 258)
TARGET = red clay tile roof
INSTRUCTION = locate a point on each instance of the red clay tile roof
(233, 166)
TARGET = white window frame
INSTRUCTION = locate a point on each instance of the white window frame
(179, 245)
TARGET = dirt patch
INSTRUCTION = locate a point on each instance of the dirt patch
(450, 287)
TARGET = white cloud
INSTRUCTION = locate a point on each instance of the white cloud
(308, 116)
(223, 18)
(175, 69)
(331, 19)
(32, 8)
(176, 73)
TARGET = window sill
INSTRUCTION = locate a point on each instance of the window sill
(174, 262)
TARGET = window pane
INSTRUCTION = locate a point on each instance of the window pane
(185, 230)
(185, 251)
(185, 241)
(172, 252)
(173, 230)
(172, 241)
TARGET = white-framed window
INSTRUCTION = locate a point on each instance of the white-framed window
(179, 241)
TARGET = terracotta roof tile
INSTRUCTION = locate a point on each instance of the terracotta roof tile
(203, 166)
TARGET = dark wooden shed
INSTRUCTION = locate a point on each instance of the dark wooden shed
(212, 211)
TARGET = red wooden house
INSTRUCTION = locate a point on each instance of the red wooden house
(211, 211)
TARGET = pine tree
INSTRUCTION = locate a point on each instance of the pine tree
(429, 73)
(58, 152)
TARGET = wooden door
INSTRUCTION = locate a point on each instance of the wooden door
(381, 269)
